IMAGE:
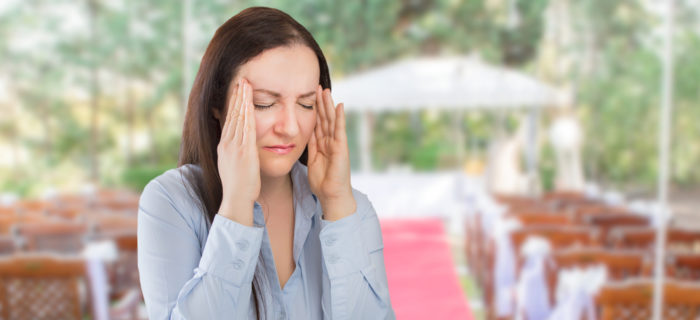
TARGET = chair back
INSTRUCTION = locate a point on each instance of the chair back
(559, 237)
(633, 300)
(53, 236)
(41, 287)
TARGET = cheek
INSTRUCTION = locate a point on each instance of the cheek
(307, 123)
(263, 124)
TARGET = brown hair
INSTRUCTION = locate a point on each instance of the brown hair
(238, 40)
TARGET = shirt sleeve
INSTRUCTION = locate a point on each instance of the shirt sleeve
(179, 280)
(353, 263)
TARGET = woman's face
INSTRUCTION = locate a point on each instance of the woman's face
(284, 82)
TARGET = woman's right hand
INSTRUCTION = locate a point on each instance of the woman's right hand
(238, 162)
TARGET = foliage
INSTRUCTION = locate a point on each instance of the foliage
(123, 66)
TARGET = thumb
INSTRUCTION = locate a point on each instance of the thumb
(313, 148)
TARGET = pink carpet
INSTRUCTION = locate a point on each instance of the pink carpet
(423, 283)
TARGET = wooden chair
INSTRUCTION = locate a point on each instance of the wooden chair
(7, 210)
(563, 199)
(7, 222)
(32, 205)
(67, 211)
(472, 243)
(7, 245)
(118, 200)
(620, 265)
(633, 300)
(515, 200)
(563, 195)
(74, 200)
(523, 204)
(677, 239)
(123, 274)
(480, 256)
(583, 211)
(683, 267)
(53, 236)
(542, 218)
(607, 222)
(558, 236)
(111, 223)
(51, 287)
(41, 287)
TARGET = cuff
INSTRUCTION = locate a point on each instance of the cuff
(231, 252)
(344, 250)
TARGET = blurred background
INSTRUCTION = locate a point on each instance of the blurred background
(476, 128)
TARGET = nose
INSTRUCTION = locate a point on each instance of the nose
(286, 123)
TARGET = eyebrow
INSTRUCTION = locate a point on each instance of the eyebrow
(277, 94)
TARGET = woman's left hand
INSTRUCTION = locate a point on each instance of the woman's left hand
(329, 159)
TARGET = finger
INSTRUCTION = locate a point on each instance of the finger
(238, 135)
(322, 112)
(330, 112)
(340, 122)
(249, 131)
(318, 130)
(230, 113)
(312, 148)
(235, 109)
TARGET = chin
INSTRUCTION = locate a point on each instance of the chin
(277, 166)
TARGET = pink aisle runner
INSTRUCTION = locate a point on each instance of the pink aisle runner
(423, 283)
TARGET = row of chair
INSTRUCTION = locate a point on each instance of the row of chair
(586, 232)
(43, 268)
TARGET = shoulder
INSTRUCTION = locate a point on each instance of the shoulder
(364, 205)
(170, 196)
(173, 184)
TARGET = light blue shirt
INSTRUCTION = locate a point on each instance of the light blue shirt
(192, 270)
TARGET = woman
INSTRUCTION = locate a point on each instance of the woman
(243, 228)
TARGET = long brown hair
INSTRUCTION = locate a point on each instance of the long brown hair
(238, 40)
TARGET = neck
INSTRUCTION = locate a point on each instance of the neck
(275, 187)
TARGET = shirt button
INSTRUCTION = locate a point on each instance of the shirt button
(242, 245)
(333, 259)
(330, 241)
(238, 264)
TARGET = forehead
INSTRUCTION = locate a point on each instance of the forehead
(288, 70)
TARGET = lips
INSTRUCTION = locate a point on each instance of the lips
(280, 149)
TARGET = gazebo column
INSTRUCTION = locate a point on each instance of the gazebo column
(532, 152)
(365, 130)
(459, 137)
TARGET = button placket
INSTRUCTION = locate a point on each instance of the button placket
(331, 241)
(242, 245)
(238, 264)
(333, 259)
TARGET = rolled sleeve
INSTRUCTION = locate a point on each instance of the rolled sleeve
(353, 260)
(231, 251)
(343, 248)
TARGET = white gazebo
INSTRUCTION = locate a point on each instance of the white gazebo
(461, 82)
(453, 83)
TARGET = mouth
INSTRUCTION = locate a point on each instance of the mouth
(280, 149)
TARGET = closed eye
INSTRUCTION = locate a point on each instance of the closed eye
(262, 106)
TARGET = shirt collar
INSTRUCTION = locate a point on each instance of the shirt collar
(303, 197)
